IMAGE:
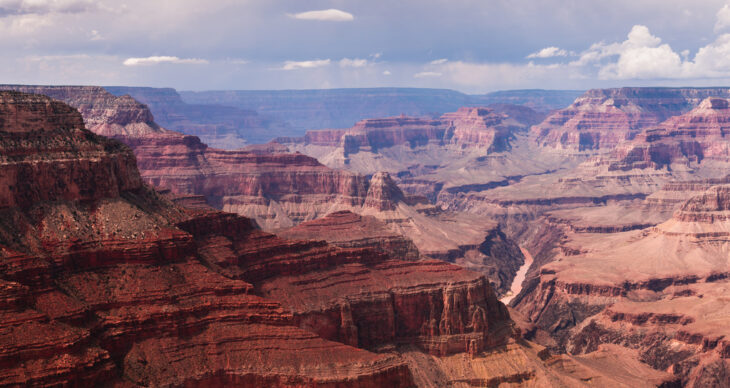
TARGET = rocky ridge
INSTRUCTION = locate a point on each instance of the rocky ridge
(602, 118)
(218, 126)
(482, 127)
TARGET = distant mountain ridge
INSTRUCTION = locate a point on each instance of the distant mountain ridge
(341, 108)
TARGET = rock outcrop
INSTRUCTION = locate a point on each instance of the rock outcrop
(102, 284)
(218, 126)
(488, 128)
(687, 139)
(602, 118)
(350, 230)
(103, 113)
(277, 188)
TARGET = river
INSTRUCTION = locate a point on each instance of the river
(516, 286)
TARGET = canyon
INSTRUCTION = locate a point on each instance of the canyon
(602, 226)
(107, 282)
(620, 266)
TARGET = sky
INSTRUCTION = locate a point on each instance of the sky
(474, 46)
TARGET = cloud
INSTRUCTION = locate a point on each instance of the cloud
(640, 56)
(549, 52)
(354, 62)
(162, 59)
(644, 56)
(296, 65)
(439, 61)
(484, 76)
(95, 36)
(42, 7)
(425, 74)
(386, 72)
(723, 18)
(327, 15)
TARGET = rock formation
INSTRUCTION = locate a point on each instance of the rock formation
(216, 125)
(350, 230)
(687, 139)
(101, 282)
(103, 113)
(602, 118)
(487, 128)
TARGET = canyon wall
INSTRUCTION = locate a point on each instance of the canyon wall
(602, 118)
(216, 125)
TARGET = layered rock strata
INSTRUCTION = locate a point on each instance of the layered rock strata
(350, 230)
(218, 126)
(602, 118)
(109, 283)
(688, 139)
(484, 127)
(100, 285)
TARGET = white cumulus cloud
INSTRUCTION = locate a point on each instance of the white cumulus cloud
(643, 56)
(439, 61)
(295, 65)
(723, 18)
(353, 62)
(328, 15)
(549, 52)
(153, 60)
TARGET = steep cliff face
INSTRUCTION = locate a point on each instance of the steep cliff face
(67, 161)
(687, 139)
(277, 188)
(358, 297)
(103, 113)
(602, 118)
